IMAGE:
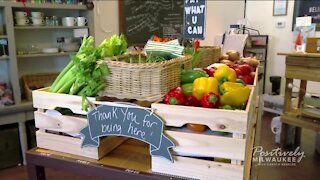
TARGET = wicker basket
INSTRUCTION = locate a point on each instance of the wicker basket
(209, 56)
(35, 81)
(144, 81)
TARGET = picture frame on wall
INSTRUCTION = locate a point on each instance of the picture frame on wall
(280, 7)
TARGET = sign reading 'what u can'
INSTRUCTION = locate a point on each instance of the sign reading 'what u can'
(194, 14)
(129, 120)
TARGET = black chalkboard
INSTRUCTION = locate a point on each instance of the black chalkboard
(307, 8)
(140, 19)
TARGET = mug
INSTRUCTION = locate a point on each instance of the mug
(37, 21)
(37, 14)
(68, 21)
(20, 14)
(22, 21)
(81, 21)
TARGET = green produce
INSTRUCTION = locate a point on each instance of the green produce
(188, 76)
(83, 75)
(187, 89)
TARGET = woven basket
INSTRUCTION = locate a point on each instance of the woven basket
(209, 56)
(35, 81)
(144, 81)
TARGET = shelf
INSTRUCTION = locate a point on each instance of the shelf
(46, 54)
(3, 36)
(4, 57)
(256, 47)
(49, 27)
(46, 6)
(293, 118)
(24, 106)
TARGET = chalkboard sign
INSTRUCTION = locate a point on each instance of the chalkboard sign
(307, 8)
(129, 120)
(140, 19)
(195, 11)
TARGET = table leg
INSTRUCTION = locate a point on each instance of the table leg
(23, 140)
(302, 93)
(35, 172)
(287, 108)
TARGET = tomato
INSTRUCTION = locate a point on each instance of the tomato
(196, 127)
(245, 69)
(166, 39)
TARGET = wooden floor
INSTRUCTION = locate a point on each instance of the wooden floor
(308, 169)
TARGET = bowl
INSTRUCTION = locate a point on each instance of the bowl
(50, 50)
(70, 47)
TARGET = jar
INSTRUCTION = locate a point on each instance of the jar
(55, 21)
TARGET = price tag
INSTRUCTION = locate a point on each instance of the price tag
(303, 21)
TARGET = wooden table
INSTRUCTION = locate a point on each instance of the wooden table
(304, 67)
(130, 160)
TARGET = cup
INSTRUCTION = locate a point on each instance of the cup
(20, 14)
(68, 21)
(37, 21)
(81, 21)
(22, 21)
(37, 14)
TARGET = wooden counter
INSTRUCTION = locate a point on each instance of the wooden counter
(304, 67)
(131, 160)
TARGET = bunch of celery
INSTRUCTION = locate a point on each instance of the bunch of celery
(83, 75)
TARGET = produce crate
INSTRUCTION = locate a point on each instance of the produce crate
(36, 81)
(55, 131)
(143, 81)
(195, 153)
(211, 54)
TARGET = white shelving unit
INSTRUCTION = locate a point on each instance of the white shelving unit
(15, 65)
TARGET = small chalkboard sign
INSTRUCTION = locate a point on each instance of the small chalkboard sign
(307, 8)
(194, 14)
(139, 20)
(129, 120)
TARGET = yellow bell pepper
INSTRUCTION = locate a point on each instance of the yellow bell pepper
(234, 94)
(204, 85)
(224, 74)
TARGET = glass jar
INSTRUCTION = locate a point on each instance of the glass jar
(55, 21)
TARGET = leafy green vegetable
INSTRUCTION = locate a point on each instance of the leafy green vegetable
(83, 75)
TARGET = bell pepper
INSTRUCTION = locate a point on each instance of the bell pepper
(174, 97)
(191, 101)
(204, 85)
(188, 76)
(210, 100)
(234, 94)
(224, 73)
(187, 89)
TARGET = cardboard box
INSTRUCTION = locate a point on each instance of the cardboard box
(313, 45)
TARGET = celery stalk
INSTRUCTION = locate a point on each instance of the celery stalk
(63, 72)
(66, 87)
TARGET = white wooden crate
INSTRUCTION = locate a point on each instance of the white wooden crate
(240, 123)
(62, 125)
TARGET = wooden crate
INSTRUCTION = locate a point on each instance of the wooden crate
(54, 131)
(236, 147)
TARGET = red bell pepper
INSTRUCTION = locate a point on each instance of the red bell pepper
(191, 101)
(245, 69)
(210, 100)
(174, 96)
(248, 79)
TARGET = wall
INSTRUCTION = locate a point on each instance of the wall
(106, 19)
(259, 14)
(220, 14)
